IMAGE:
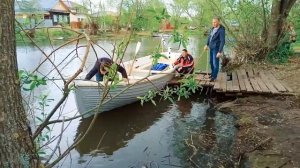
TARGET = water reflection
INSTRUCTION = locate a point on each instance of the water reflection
(120, 125)
(184, 106)
(215, 140)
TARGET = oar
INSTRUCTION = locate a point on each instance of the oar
(138, 46)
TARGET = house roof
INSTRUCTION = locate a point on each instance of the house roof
(34, 5)
(71, 4)
(75, 7)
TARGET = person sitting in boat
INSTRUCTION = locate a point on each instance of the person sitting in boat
(185, 63)
(101, 68)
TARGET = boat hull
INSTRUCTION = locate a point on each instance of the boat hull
(90, 95)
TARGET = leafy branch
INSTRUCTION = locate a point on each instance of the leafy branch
(188, 86)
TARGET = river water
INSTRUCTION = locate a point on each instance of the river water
(133, 135)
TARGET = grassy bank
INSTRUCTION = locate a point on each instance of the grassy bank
(296, 47)
(43, 35)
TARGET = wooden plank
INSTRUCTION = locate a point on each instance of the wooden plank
(235, 82)
(247, 81)
(268, 82)
(198, 77)
(241, 81)
(260, 82)
(275, 82)
(210, 84)
(202, 82)
(250, 72)
(223, 81)
(262, 85)
(253, 81)
(217, 85)
(229, 86)
(234, 94)
(287, 87)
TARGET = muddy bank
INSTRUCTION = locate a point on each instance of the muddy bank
(268, 131)
(268, 128)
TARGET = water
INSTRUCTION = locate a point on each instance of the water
(135, 136)
(131, 136)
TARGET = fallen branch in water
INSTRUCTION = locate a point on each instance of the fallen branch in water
(259, 145)
(285, 163)
(242, 155)
(195, 150)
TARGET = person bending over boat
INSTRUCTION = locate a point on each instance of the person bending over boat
(101, 68)
(185, 63)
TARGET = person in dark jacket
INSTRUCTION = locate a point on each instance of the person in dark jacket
(101, 68)
(185, 63)
(215, 42)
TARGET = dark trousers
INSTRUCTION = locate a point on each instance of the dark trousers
(214, 63)
(185, 70)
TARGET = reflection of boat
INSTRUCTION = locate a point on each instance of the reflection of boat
(161, 35)
(89, 94)
(119, 126)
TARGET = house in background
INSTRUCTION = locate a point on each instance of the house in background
(46, 13)
(77, 14)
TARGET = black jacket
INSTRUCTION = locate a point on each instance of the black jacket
(96, 68)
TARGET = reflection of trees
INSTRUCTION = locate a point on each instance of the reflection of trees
(205, 136)
(184, 106)
(215, 140)
(120, 125)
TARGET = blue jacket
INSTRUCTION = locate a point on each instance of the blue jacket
(218, 40)
(96, 68)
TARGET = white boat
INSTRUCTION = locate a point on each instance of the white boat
(142, 79)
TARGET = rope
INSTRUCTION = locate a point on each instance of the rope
(207, 60)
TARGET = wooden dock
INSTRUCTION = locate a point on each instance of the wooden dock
(243, 81)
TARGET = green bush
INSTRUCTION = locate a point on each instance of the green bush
(281, 54)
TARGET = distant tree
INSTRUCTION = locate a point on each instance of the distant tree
(259, 28)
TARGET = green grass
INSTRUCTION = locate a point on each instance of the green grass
(296, 47)
(41, 35)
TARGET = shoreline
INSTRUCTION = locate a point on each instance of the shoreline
(268, 127)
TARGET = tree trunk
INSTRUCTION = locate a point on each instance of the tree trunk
(279, 13)
(119, 17)
(16, 145)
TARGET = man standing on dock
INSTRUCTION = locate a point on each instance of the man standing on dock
(215, 42)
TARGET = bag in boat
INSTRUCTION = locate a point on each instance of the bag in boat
(159, 67)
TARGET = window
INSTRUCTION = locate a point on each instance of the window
(60, 18)
(55, 18)
(66, 19)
